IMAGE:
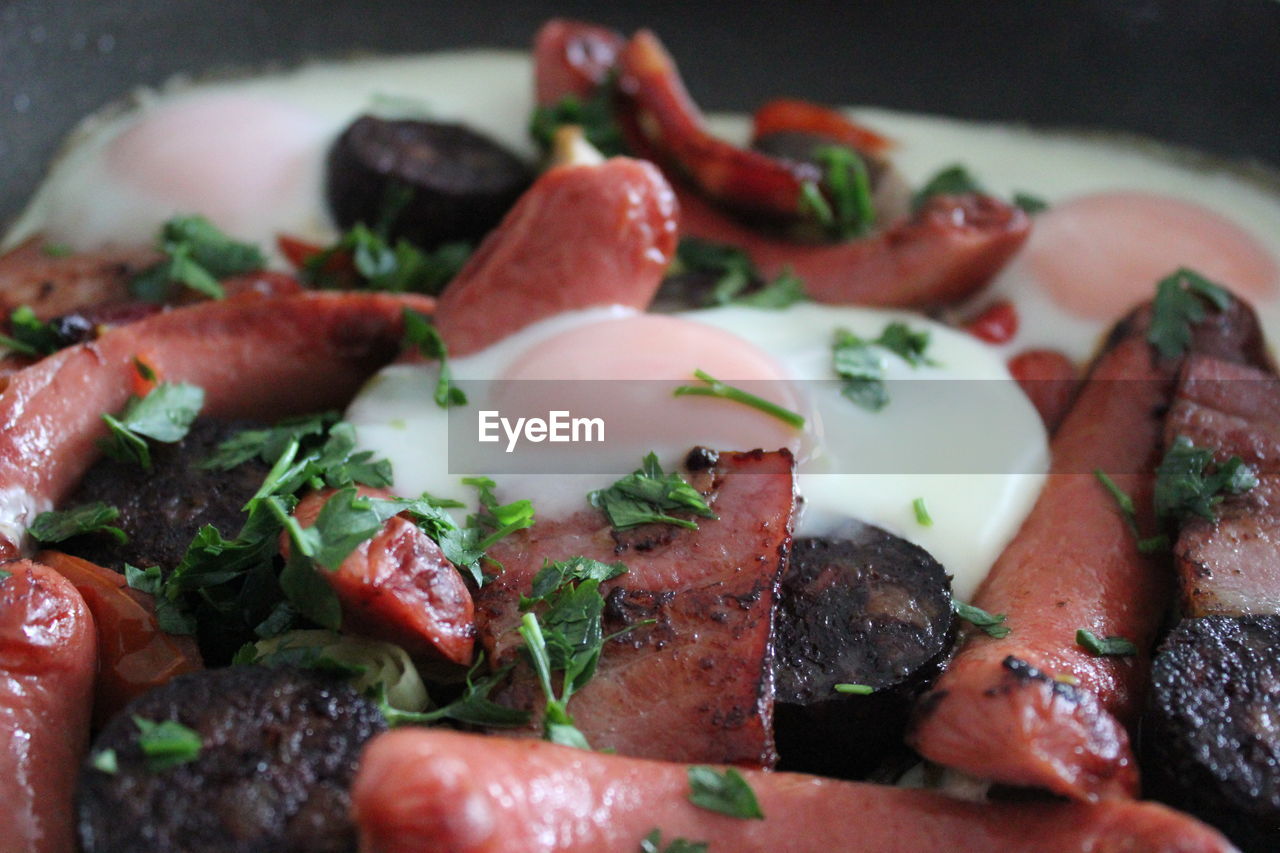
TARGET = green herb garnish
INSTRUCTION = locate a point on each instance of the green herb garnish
(735, 274)
(1104, 646)
(379, 264)
(951, 180)
(1124, 503)
(650, 496)
(30, 336)
(855, 360)
(419, 332)
(841, 203)
(715, 388)
(652, 843)
(57, 526)
(991, 623)
(1029, 203)
(105, 762)
(165, 414)
(594, 114)
(1185, 487)
(855, 689)
(473, 707)
(56, 250)
(1180, 304)
(922, 513)
(167, 743)
(198, 256)
(725, 792)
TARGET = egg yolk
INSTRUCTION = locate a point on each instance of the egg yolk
(233, 158)
(1098, 255)
(626, 369)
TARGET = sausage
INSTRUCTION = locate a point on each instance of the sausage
(947, 250)
(1211, 737)
(134, 655)
(572, 58)
(581, 236)
(161, 509)
(1050, 381)
(442, 792)
(47, 659)
(278, 751)
(457, 183)
(869, 608)
(254, 356)
(57, 285)
(998, 712)
(398, 587)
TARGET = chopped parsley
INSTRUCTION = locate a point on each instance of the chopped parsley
(856, 361)
(420, 332)
(167, 743)
(197, 256)
(1179, 304)
(5, 575)
(375, 263)
(59, 525)
(841, 202)
(594, 114)
(1124, 503)
(855, 689)
(1104, 646)
(29, 336)
(567, 637)
(950, 180)
(473, 707)
(105, 762)
(652, 843)
(56, 250)
(725, 792)
(715, 388)
(650, 496)
(1186, 487)
(1029, 203)
(922, 513)
(164, 414)
(991, 623)
(736, 274)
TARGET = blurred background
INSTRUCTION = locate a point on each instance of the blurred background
(1202, 73)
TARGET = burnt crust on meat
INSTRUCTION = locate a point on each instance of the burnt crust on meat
(869, 608)
(280, 749)
(163, 508)
(1211, 737)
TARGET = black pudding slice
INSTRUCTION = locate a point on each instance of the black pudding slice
(278, 753)
(1211, 737)
(458, 184)
(869, 609)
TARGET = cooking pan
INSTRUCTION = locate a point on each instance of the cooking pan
(1200, 73)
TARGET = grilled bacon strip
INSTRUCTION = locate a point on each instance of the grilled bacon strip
(697, 684)
(441, 792)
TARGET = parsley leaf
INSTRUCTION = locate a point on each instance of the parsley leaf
(715, 388)
(1185, 487)
(736, 274)
(105, 762)
(1149, 545)
(473, 707)
(96, 517)
(1029, 203)
(991, 623)
(267, 444)
(5, 575)
(422, 334)
(593, 114)
(855, 689)
(652, 843)
(856, 362)
(922, 513)
(29, 336)
(951, 180)
(727, 793)
(377, 264)
(167, 743)
(554, 576)
(1179, 305)
(164, 414)
(1108, 646)
(649, 496)
(197, 255)
(783, 292)
(841, 203)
